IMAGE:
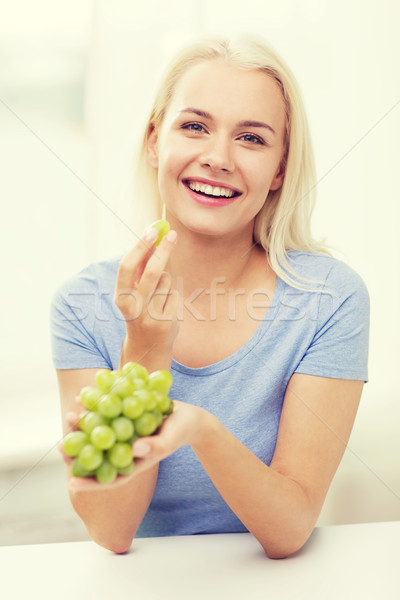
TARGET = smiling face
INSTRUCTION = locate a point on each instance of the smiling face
(219, 148)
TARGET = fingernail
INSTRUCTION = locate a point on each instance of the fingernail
(141, 449)
(150, 235)
(171, 236)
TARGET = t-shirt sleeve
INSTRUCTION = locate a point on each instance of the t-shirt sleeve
(72, 322)
(339, 348)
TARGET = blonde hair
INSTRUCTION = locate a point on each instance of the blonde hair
(284, 222)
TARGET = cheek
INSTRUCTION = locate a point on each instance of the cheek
(258, 174)
(172, 160)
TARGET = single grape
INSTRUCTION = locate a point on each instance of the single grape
(146, 424)
(90, 396)
(109, 406)
(127, 368)
(106, 473)
(120, 455)
(146, 397)
(90, 457)
(89, 420)
(126, 470)
(123, 428)
(103, 437)
(105, 379)
(132, 407)
(74, 442)
(135, 371)
(170, 408)
(78, 471)
(160, 381)
(162, 402)
(162, 227)
(139, 384)
(123, 386)
(158, 416)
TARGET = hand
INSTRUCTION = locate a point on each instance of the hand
(185, 425)
(83, 483)
(145, 297)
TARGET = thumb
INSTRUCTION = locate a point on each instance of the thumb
(141, 448)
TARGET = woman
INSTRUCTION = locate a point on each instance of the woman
(266, 334)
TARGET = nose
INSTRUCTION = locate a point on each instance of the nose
(217, 155)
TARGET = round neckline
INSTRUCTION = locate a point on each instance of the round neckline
(247, 347)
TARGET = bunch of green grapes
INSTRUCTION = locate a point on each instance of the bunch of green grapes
(124, 405)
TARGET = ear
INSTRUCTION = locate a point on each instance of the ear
(279, 176)
(152, 149)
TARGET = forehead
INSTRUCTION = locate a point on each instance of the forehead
(220, 88)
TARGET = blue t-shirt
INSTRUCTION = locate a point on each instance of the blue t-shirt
(321, 333)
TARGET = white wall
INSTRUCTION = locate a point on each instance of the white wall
(345, 57)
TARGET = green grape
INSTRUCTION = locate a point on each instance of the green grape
(135, 371)
(160, 381)
(120, 455)
(162, 227)
(146, 397)
(90, 396)
(103, 437)
(132, 407)
(74, 442)
(170, 408)
(158, 416)
(146, 424)
(90, 457)
(162, 401)
(106, 473)
(89, 420)
(123, 386)
(126, 470)
(127, 367)
(109, 406)
(78, 471)
(105, 379)
(139, 384)
(123, 428)
(127, 404)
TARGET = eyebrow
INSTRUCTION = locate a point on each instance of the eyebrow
(206, 115)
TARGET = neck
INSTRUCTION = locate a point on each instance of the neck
(200, 261)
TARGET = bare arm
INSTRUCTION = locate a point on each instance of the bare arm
(112, 514)
(280, 503)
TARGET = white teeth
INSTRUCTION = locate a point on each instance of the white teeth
(209, 189)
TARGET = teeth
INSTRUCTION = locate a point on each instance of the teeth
(209, 189)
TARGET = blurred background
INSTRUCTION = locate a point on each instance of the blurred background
(76, 78)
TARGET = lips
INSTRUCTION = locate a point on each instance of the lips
(210, 200)
(211, 189)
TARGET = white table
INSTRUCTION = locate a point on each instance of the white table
(338, 562)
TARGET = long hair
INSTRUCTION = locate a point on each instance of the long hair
(284, 222)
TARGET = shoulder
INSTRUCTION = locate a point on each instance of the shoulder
(340, 298)
(77, 295)
(98, 277)
(328, 274)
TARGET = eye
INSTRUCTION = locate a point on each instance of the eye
(252, 139)
(196, 127)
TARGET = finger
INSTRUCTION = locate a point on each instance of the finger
(133, 263)
(156, 265)
(67, 459)
(160, 296)
(91, 483)
(72, 418)
(172, 305)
